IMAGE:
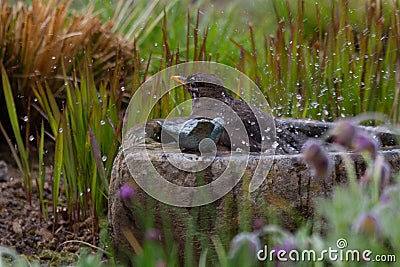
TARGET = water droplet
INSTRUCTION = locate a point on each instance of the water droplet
(26, 119)
(104, 158)
(60, 130)
(31, 138)
(102, 122)
(88, 190)
(122, 88)
(155, 44)
(53, 57)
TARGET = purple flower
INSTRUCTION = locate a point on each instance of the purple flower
(367, 223)
(317, 157)
(381, 169)
(389, 194)
(385, 175)
(286, 246)
(127, 191)
(153, 234)
(342, 133)
(258, 223)
(365, 143)
(161, 263)
(245, 240)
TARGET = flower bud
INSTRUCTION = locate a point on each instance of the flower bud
(381, 170)
(342, 133)
(287, 245)
(153, 234)
(365, 143)
(245, 240)
(390, 195)
(317, 157)
(161, 263)
(258, 223)
(127, 192)
(367, 223)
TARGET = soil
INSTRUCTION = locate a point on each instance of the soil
(23, 228)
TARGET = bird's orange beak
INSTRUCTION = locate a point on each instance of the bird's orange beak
(179, 79)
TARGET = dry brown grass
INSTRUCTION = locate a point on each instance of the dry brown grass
(38, 42)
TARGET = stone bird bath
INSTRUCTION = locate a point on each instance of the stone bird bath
(288, 188)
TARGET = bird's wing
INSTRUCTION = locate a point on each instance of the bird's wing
(249, 119)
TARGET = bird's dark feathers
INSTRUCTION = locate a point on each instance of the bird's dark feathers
(209, 85)
(199, 78)
(205, 85)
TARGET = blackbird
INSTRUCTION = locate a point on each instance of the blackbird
(211, 99)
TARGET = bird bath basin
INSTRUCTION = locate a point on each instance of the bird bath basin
(288, 188)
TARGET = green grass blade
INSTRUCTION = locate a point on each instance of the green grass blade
(98, 158)
(219, 248)
(12, 113)
(203, 258)
(58, 163)
(42, 172)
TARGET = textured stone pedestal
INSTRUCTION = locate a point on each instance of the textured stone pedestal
(289, 190)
